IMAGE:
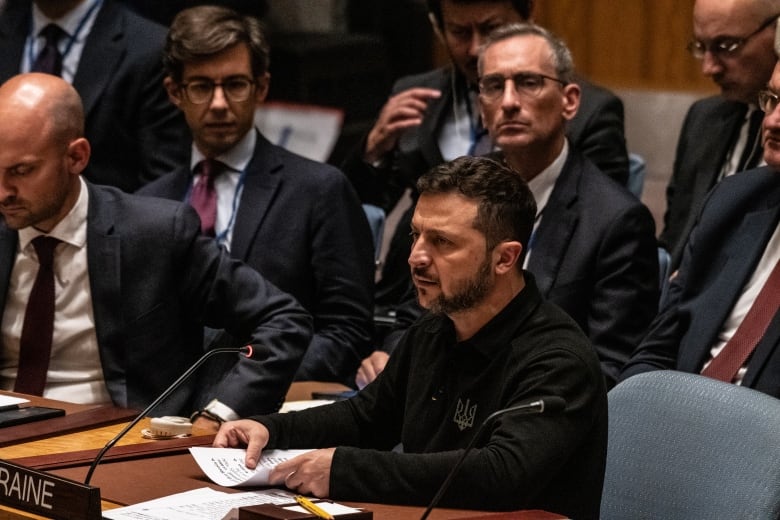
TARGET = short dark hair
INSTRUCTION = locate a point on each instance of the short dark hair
(506, 207)
(199, 33)
(523, 7)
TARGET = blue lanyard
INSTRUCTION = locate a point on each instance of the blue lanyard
(71, 40)
(222, 236)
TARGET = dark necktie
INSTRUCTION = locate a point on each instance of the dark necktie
(752, 153)
(741, 345)
(38, 326)
(204, 195)
(50, 59)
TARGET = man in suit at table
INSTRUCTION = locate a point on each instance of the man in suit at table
(433, 116)
(721, 315)
(105, 295)
(721, 134)
(489, 342)
(113, 59)
(298, 222)
(593, 251)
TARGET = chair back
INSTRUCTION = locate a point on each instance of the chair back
(684, 446)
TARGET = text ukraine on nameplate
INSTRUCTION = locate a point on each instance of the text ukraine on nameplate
(42, 493)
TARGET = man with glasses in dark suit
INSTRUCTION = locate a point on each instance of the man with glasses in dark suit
(733, 39)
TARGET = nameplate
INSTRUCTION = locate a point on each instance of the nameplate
(47, 495)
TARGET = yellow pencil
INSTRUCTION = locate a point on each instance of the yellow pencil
(313, 508)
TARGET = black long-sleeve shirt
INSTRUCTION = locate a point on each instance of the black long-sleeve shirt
(435, 392)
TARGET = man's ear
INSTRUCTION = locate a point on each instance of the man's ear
(77, 155)
(508, 256)
(261, 88)
(173, 90)
(571, 100)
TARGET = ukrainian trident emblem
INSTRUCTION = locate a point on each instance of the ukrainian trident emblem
(464, 415)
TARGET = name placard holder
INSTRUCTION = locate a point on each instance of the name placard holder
(47, 495)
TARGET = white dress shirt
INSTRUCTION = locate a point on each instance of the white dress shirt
(75, 373)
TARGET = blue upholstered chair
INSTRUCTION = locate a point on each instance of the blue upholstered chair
(683, 446)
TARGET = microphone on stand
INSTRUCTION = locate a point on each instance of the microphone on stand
(551, 404)
(247, 351)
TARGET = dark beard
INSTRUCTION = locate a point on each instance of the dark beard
(467, 295)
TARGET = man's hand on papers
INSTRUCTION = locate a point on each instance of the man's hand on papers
(243, 433)
(307, 474)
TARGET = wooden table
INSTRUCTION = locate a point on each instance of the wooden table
(167, 468)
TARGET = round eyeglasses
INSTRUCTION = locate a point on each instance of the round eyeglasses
(201, 91)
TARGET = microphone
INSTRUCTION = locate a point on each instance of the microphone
(551, 404)
(247, 351)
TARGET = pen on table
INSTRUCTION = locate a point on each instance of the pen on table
(313, 508)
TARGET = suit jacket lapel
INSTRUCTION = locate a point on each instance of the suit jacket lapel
(263, 176)
(104, 49)
(14, 26)
(103, 260)
(713, 151)
(743, 255)
(559, 220)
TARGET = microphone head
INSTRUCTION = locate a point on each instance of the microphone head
(553, 404)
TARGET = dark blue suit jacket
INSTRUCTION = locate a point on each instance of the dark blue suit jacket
(136, 133)
(709, 131)
(155, 283)
(301, 225)
(595, 256)
(726, 244)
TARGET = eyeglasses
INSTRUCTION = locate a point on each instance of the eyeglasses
(768, 101)
(527, 84)
(726, 45)
(235, 89)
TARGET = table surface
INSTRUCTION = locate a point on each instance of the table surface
(96, 438)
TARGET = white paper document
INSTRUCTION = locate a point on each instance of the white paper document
(198, 504)
(226, 467)
(8, 402)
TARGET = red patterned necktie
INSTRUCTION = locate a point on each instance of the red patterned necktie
(204, 195)
(741, 345)
(38, 326)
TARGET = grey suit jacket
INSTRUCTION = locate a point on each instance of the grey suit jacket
(301, 225)
(135, 132)
(708, 133)
(725, 245)
(155, 284)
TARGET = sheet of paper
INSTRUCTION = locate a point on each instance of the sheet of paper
(8, 401)
(198, 504)
(308, 130)
(225, 466)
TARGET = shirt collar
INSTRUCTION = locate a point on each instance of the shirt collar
(68, 23)
(237, 158)
(72, 229)
(542, 185)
